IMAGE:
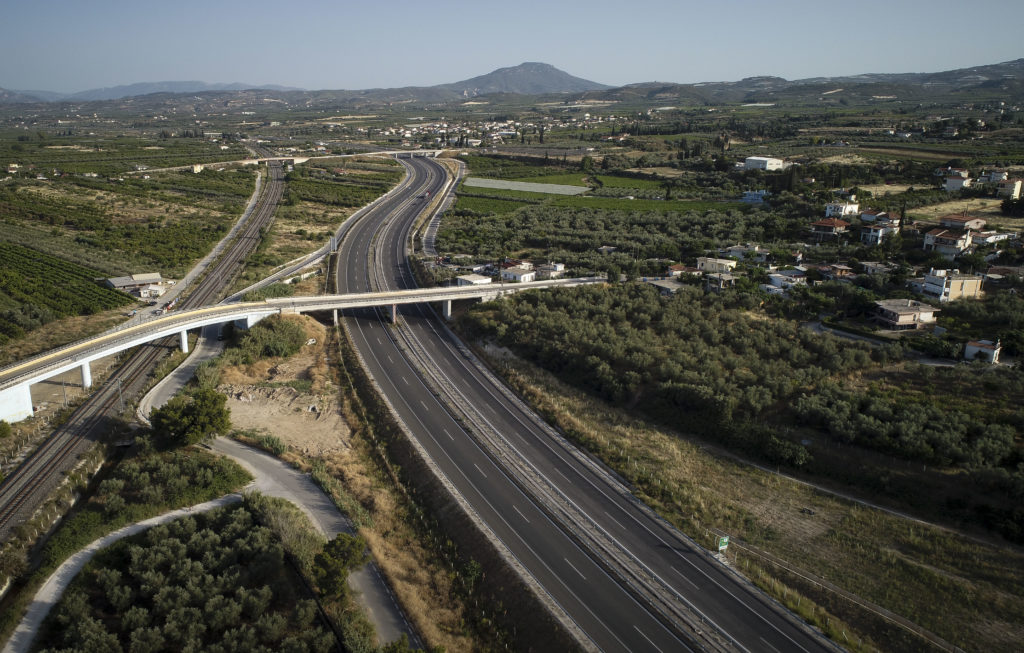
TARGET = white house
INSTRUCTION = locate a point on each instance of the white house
(551, 270)
(472, 280)
(519, 274)
(871, 215)
(763, 163)
(750, 251)
(988, 237)
(904, 313)
(786, 279)
(841, 209)
(982, 350)
(950, 285)
(957, 183)
(954, 221)
(709, 265)
(875, 234)
(948, 242)
(1009, 188)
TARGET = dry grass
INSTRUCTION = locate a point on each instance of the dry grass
(421, 583)
(911, 153)
(980, 207)
(422, 586)
(128, 209)
(849, 159)
(879, 190)
(964, 591)
(61, 332)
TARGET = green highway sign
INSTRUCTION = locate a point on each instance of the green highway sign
(723, 543)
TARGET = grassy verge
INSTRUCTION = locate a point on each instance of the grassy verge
(454, 589)
(965, 591)
(427, 577)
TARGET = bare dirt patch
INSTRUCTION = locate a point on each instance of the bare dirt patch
(851, 159)
(261, 399)
(980, 207)
(293, 399)
(309, 423)
(878, 190)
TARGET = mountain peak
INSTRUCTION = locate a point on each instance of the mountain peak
(528, 78)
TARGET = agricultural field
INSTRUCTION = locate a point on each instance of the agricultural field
(549, 187)
(139, 225)
(36, 289)
(615, 181)
(50, 154)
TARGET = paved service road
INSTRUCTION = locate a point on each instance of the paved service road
(275, 478)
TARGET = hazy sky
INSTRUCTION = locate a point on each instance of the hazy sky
(74, 45)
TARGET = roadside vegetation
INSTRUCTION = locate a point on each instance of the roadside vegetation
(218, 579)
(143, 483)
(799, 544)
(774, 389)
(439, 586)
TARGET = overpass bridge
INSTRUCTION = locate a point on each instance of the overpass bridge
(293, 159)
(16, 379)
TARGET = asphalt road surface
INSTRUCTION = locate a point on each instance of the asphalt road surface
(599, 604)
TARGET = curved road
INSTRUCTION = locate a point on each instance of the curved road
(606, 611)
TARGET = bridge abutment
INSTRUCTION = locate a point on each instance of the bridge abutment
(16, 403)
(247, 321)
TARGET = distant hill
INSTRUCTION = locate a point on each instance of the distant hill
(146, 88)
(1003, 81)
(1005, 76)
(529, 78)
(131, 90)
(18, 97)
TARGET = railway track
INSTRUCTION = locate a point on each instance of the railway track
(28, 486)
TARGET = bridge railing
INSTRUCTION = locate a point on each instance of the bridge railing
(182, 321)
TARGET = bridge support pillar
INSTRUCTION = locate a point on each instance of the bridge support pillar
(184, 341)
(335, 317)
(394, 314)
(247, 321)
(86, 376)
(16, 403)
(446, 309)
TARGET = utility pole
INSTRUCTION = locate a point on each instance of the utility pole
(120, 397)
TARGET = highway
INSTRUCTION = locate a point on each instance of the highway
(553, 508)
